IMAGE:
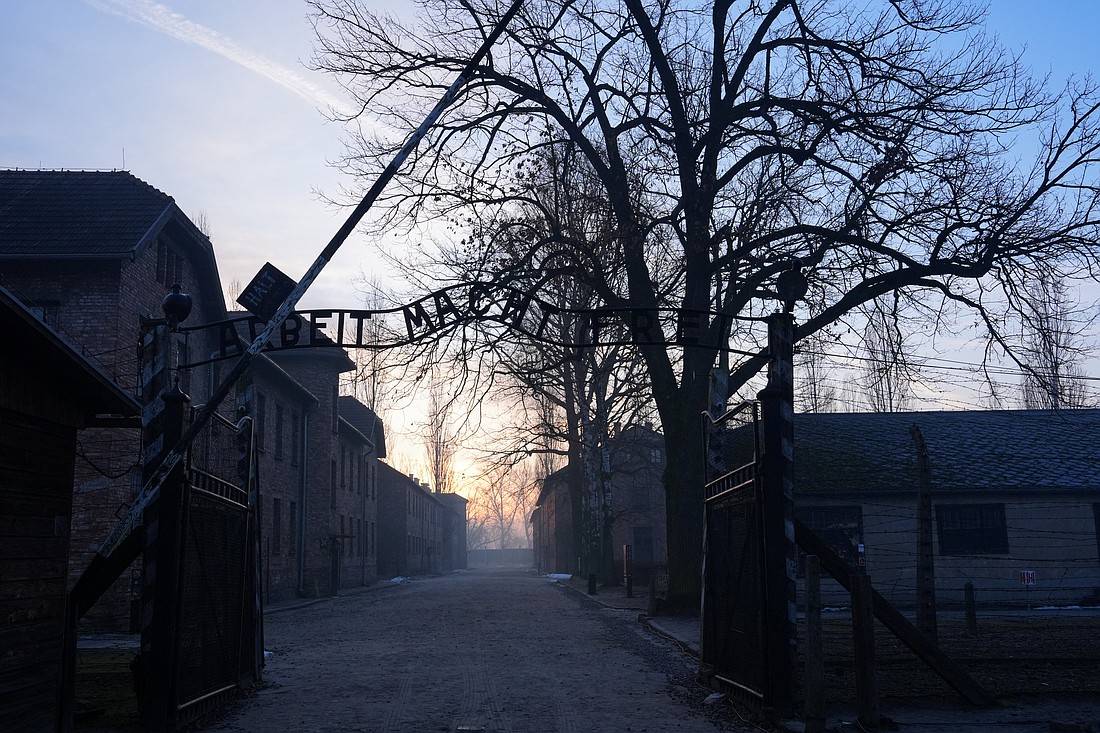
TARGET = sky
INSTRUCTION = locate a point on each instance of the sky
(207, 100)
(210, 102)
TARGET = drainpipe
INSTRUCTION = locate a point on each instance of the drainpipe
(364, 466)
(303, 473)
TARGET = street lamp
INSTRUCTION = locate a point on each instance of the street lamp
(176, 307)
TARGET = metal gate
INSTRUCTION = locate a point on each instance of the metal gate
(734, 623)
(217, 626)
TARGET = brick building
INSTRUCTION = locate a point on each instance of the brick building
(94, 253)
(638, 507)
(48, 391)
(318, 505)
(418, 531)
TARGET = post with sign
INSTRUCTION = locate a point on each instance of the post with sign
(1027, 579)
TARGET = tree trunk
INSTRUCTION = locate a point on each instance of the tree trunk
(606, 568)
(683, 480)
(575, 477)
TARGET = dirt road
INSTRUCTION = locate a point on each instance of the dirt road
(471, 651)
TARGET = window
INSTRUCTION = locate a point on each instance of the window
(641, 539)
(276, 527)
(332, 483)
(47, 311)
(295, 437)
(261, 419)
(162, 261)
(292, 524)
(335, 408)
(841, 528)
(278, 430)
(351, 471)
(169, 265)
(972, 529)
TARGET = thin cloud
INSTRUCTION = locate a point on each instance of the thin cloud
(162, 18)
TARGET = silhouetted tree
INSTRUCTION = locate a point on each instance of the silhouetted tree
(865, 143)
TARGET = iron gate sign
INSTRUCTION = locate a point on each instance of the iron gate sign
(451, 307)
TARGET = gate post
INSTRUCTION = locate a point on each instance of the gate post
(163, 418)
(777, 501)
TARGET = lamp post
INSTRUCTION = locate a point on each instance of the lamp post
(176, 306)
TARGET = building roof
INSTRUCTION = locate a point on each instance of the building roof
(364, 419)
(994, 450)
(637, 448)
(69, 371)
(87, 215)
(69, 214)
(392, 478)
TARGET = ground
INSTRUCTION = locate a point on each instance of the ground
(509, 650)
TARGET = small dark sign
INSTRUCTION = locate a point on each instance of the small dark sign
(267, 291)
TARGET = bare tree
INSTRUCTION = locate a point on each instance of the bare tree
(441, 439)
(525, 484)
(233, 291)
(813, 390)
(379, 373)
(494, 504)
(887, 371)
(1053, 350)
(202, 223)
(865, 144)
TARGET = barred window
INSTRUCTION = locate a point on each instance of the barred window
(972, 529)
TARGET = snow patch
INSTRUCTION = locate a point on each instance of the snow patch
(558, 576)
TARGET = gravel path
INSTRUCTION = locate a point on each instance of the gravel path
(471, 651)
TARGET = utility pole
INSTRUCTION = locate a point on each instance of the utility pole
(926, 568)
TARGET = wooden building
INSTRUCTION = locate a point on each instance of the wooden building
(1015, 500)
(48, 392)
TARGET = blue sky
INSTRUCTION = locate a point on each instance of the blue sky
(205, 99)
(208, 101)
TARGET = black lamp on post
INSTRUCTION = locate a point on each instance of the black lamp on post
(176, 306)
(791, 285)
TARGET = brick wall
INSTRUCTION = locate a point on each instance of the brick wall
(99, 306)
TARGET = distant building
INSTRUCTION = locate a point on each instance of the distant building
(637, 501)
(419, 531)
